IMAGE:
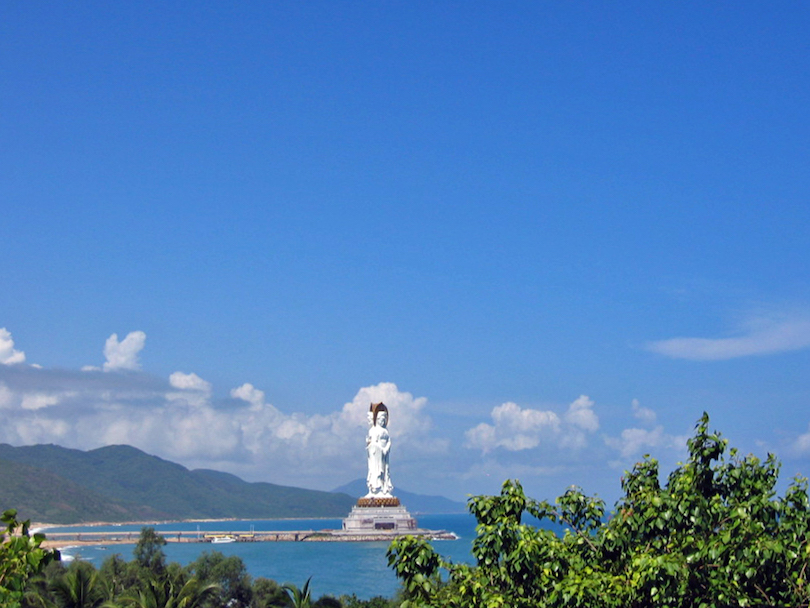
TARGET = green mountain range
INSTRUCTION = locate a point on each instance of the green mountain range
(49, 483)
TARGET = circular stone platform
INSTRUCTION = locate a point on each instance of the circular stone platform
(391, 501)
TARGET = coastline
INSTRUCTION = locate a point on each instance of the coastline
(88, 537)
(51, 543)
(42, 527)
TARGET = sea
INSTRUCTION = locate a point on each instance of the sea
(336, 568)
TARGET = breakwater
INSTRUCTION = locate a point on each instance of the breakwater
(216, 537)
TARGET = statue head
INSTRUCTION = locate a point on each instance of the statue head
(376, 409)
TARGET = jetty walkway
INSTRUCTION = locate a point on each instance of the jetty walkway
(223, 536)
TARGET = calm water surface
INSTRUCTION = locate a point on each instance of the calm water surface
(336, 568)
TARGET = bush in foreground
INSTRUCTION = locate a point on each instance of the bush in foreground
(21, 557)
(715, 534)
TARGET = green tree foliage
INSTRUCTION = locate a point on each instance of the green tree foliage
(327, 601)
(715, 534)
(21, 557)
(118, 575)
(299, 598)
(170, 592)
(352, 601)
(229, 574)
(267, 593)
(212, 581)
(148, 550)
(78, 588)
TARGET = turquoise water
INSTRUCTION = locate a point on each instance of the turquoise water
(336, 568)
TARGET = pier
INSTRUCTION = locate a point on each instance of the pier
(61, 539)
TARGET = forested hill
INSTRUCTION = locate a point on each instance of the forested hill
(53, 484)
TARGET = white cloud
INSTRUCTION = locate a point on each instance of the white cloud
(179, 419)
(42, 430)
(37, 401)
(580, 413)
(123, 355)
(7, 397)
(515, 428)
(634, 442)
(183, 422)
(8, 354)
(801, 446)
(335, 439)
(405, 418)
(248, 392)
(761, 335)
(644, 414)
(189, 382)
(192, 389)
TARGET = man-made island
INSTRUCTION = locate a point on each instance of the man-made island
(85, 537)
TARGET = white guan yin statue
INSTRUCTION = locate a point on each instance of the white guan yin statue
(378, 447)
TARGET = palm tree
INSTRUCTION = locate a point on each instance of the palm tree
(300, 597)
(169, 593)
(36, 593)
(77, 588)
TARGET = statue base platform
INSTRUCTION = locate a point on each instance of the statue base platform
(388, 501)
(376, 515)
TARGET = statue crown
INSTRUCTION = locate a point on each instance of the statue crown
(376, 408)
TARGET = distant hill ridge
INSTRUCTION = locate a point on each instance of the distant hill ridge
(116, 483)
(121, 483)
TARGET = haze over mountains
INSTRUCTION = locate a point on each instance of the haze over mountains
(49, 483)
(416, 503)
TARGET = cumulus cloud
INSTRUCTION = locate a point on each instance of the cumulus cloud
(320, 440)
(6, 397)
(644, 414)
(514, 428)
(801, 446)
(634, 442)
(8, 354)
(248, 392)
(189, 382)
(580, 414)
(179, 418)
(192, 389)
(405, 418)
(37, 401)
(38, 427)
(123, 355)
(760, 335)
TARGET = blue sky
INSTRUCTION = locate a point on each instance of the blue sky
(549, 235)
